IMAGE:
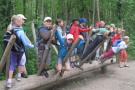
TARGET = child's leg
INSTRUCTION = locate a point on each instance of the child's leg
(110, 52)
(125, 55)
(120, 56)
(125, 58)
(67, 65)
(20, 67)
(13, 61)
(59, 65)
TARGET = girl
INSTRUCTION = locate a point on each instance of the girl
(65, 44)
(118, 45)
(123, 55)
(15, 56)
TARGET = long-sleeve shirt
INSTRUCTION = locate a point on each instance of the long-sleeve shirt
(122, 45)
(75, 30)
(23, 38)
(59, 30)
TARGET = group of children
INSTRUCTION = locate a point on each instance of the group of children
(77, 29)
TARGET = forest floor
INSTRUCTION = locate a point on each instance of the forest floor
(115, 79)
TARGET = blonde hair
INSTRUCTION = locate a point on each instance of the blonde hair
(9, 28)
(119, 30)
(15, 18)
(112, 25)
(103, 23)
(126, 39)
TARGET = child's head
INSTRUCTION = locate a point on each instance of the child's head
(107, 27)
(75, 21)
(102, 23)
(112, 25)
(69, 38)
(48, 22)
(83, 21)
(126, 39)
(23, 17)
(59, 22)
(16, 20)
(119, 30)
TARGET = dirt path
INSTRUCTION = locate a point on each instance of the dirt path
(115, 79)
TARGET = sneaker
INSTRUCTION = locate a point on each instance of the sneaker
(8, 85)
(125, 64)
(45, 73)
(120, 65)
(18, 78)
(61, 73)
(23, 75)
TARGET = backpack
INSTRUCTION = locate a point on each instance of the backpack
(116, 43)
(18, 45)
(39, 38)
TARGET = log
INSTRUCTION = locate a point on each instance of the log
(7, 52)
(34, 38)
(46, 50)
(34, 82)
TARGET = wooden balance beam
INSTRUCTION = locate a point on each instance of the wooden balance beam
(34, 81)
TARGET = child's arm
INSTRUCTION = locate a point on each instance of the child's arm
(25, 40)
(59, 37)
(84, 30)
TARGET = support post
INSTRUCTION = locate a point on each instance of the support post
(7, 52)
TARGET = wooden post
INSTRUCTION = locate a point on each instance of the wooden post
(34, 37)
(47, 50)
(83, 61)
(7, 52)
(7, 66)
(70, 51)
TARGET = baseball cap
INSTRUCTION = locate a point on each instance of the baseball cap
(69, 36)
(22, 16)
(47, 18)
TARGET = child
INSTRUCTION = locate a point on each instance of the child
(65, 44)
(102, 34)
(44, 33)
(118, 45)
(83, 25)
(15, 56)
(123, 55)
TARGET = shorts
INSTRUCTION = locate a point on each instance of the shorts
(23, 60)
(74, 52)
(15, 59)
(59, 61)
(40, 56)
